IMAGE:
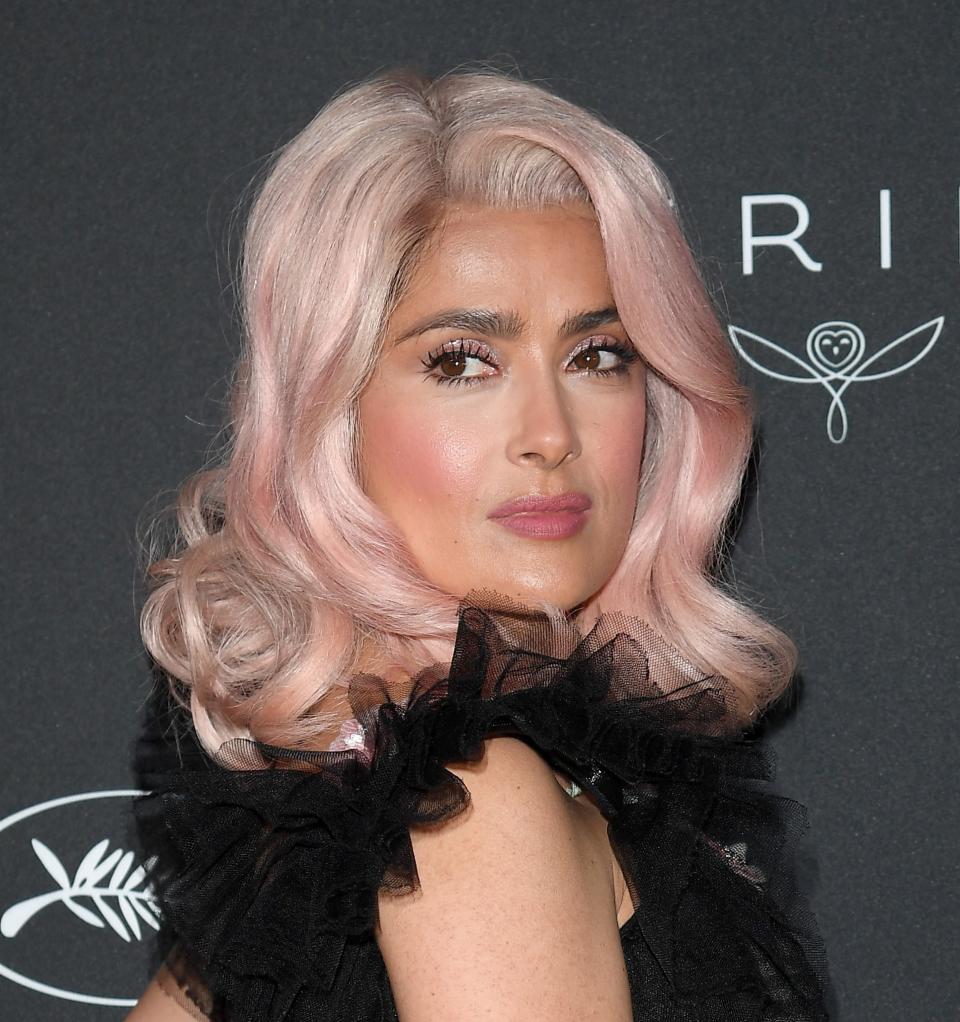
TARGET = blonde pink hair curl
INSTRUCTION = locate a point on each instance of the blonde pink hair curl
(280, 573)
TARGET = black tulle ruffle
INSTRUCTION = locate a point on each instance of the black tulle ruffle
(269, 861)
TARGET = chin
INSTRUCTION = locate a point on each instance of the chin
(565, 594)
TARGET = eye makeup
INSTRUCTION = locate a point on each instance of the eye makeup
(456, 354)
(453, 354)
(626, 354)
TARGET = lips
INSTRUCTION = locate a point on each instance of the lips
(538, 517)
(536, 504)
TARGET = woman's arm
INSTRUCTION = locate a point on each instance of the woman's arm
(516, 917)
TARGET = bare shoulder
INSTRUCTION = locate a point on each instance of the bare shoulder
(516, 917)
(162, 1001)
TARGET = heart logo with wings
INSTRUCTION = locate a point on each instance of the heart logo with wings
(835, 359)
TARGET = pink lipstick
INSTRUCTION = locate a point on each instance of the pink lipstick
(556, 517)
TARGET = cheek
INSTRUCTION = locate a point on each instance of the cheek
(416, 461)
(619, 454)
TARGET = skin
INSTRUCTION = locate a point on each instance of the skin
(436, 459)
(532, 418)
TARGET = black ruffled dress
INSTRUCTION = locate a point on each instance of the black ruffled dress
(266, 862)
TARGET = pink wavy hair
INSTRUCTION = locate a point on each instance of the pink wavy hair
(280, 573)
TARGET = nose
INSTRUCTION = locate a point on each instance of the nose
(543, 430)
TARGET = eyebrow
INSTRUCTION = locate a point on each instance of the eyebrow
(506, 324)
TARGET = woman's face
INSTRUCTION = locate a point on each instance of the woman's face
(507, 378)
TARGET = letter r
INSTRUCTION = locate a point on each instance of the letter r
(752, 241)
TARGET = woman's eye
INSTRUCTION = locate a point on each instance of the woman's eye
(603, 357)
(459, 365)
(458, 362)
(465, 361)
(594, 359)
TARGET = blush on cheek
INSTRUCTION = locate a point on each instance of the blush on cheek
(620, 454)
(624, 434)
(419, 462)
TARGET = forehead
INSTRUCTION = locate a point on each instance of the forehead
(502, 256)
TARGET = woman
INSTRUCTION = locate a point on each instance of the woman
(470, 702)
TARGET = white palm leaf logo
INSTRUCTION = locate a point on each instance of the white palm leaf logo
(126, 886)
(835, 351)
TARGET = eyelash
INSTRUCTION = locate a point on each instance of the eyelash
(469, 348)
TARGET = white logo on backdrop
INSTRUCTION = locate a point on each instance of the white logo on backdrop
(101, 881)
(834, 360)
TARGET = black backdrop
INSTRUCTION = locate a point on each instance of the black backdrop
(129, 132)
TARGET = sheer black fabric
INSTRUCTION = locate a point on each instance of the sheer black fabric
(267, 861)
